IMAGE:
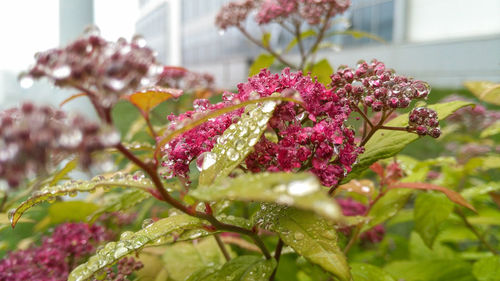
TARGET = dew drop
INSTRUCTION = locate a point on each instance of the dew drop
(365, 189)
(298, 235)
(232, 154)
(116, 84)
(120, 251)
(240, 144)
(209, 160)
(10, 215)
(329, 234)
(147, 222)
(92, 30)
(72, 193)
(25, 81)
(109, 137)
(139, 41)
(253, 141)
(303, 187)
(61, 72)
(71, 139)
(268, 107)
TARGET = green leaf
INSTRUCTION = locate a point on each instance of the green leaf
(183, 258)
(242, 268)
(485, 91)
(74, 211)
(303, 35)
(236, 143)
(70, 166)
(482, 163)
(122, 201)
(385, 143)
(301, 190)
(49, 193)
(487, 269)
(266, 38)
(431, 210)
(262, 61)
(357, 34)
(432, 270)
(388, 206)
(169, 135)
(310, 236)
(368, 272)
(322, 70)
(131, 242)
(419, 251)
(481, 189)
(491, 130)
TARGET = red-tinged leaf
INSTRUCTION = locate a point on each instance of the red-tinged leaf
(72, 98)
(148, 99)
(452, 195)
(378, 169)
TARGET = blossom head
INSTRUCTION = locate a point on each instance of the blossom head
(234, 14)
(33, 138)
(101, 68)
(312, 137)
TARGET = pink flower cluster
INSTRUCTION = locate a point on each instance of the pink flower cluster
(58, 254)
(189, 81)
(32, 138)
(377, 87)
(311, 11)
(105, 70)
(234, 13)
(425, 122)
(475, 118)
(351, 207)
(313, 137)
(125, 267)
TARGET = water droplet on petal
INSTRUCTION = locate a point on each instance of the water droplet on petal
(92, 30)
(71, 139)
(25, 81)
(139, 41)
(61, 72)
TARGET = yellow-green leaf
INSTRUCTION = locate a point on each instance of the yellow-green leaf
(300, 190)
(242, 268)
(236, 143)
(131, 242)
(49, 193)
(312, 237)
(485, 91)
(148, 99)
(262, 61)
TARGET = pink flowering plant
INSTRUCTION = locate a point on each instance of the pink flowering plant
(290, 177)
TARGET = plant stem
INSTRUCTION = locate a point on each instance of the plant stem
(461, 214)
(357, 230)
(222, 247)
(267, 48)
(151, 171)
(277, 255)
(321, 34)
(367, 120)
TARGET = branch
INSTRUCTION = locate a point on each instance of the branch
(222, 247)
(152, 173)
(461, 214)
(277, 255)
(321, 34)
(267, 48)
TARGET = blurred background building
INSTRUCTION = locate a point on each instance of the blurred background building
(444, 42)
